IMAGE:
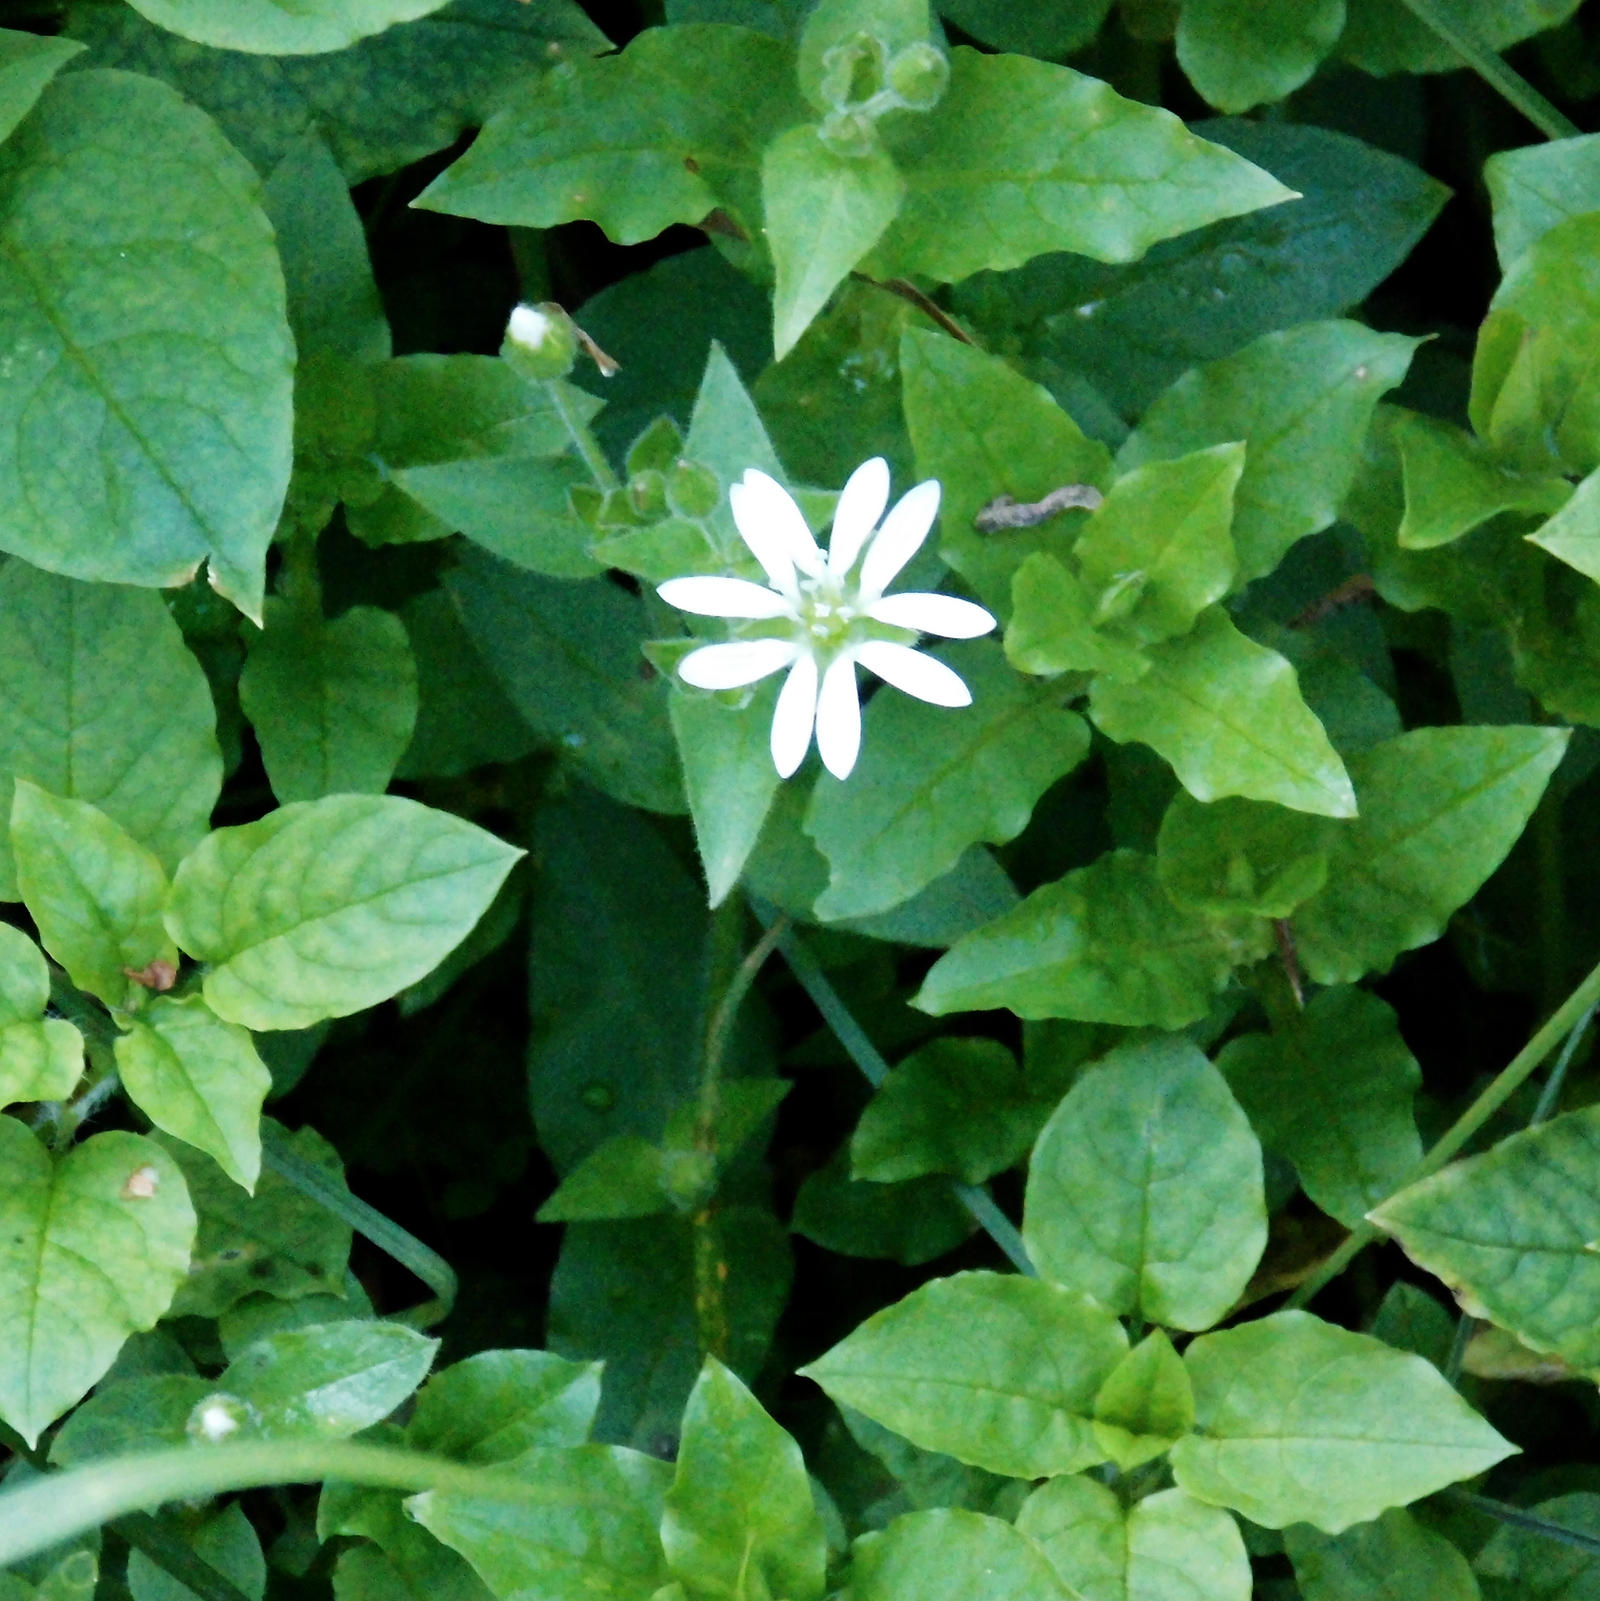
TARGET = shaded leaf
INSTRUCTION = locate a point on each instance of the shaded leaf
(1393, 1558)
(952, 1555)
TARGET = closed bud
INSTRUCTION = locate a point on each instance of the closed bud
(849, 133)
(648, 492)
(693, 490)
(540, 342)
(919, 75)
(853, 73)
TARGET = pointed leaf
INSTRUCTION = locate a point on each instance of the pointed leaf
(493, 1406)
(1054, 627)
(1018, 1402)
(27, 63)
(1573, 534)
(952, 1555)
(1537, 186)
(91, 1248)
(1146, 1404)
(326, 907)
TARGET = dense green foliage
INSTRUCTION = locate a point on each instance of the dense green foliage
(903, 1170)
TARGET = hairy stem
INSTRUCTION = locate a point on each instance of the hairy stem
(581, 434)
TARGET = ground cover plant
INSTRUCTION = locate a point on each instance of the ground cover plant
(797, 799)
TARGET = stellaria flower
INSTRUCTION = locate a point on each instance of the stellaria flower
(830, 612)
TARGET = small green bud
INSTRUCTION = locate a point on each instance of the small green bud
(853, 73)
(849, 133)
(1119, 597)
(919, 75)
(657, 447)
(648, 492)
(693, 490)
(540, 342)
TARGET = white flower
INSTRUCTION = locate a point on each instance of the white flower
(829, 612)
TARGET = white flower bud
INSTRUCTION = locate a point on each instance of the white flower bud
(540, 342)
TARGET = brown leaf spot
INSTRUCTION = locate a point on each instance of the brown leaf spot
(143, 1182)
(157, 975)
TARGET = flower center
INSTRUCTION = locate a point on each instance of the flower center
(825, 612)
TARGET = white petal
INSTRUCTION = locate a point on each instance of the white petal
(772, 526)
(839, 717)
(733, 666)
(944, 615)
(723, 597)
(909, 670)
(900, 538)
(861, 504)
(793, 716)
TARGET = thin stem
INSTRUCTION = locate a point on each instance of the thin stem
(1577, 1006)
(908, 291)
(1466, 1327)
(581, 434)
(1510, 84)
(1531, 1521)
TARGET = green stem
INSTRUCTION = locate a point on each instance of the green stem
(1507, 1082)
(59, 1506)
(1510, 84)
(1531, 1521)
(581, 434)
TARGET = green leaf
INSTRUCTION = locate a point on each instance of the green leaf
(1166, 1547)
(1020, 157)
(911, 1223)
(568, 657)
(1301, 1422)
(40, 1059)
(823, 213)
(739, 1517)
(27, 63)
(1054, 627)
(1145, 1404)
(326, 907)
(1383, 36)
(1239, 53)
(929, 785)
(1332, 1091)
(329, 1380)
(151, 353)
(1228, 714)
(1240, 857)
(1537, 186)
(1145, 1188)
(493, 1406)
(1526, 1561)
(727, 435)
(125, 1415)
(926, 1478)
(277, 1241)
(623, 1177)
(1572, 535)
(100, 701)
(1301, 401)
(580, 1527)
(1051, 29)
(834, 25)
(226, 1542)
(1104, 944)
(1017, 1402)
(1393, 1558)
(952, 1555)
(96, 896)
(983, 430)
(1440, 807)
(333, 701)
(199, 1079)
(1453, 485)
(1511, 1232)
(635, 141)
(91, 1248)
(956, 1106)
(264, 27)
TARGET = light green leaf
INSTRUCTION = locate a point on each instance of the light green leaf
(1104, 944)
(1301, 1422)
(952, 1555)
(1573, 534)
(494, 1405)
(823, 213)
(957, 1106)
(1021, 156)
(329, 1380)
(199, 1079)
(266, 27)
(95, 894)
(1301, 401)
(837, 24)
(983, 430)
(1055, 627)
(1537, 186)
(1166, 1547)
(24, 978)
(739, 1517)
(1240, 857)
(1161, 538)
(41, 1059)
(326, 907)
(1512, 1233)
(666, 131)
(101, 701)
(1228, 714)
(1453, 485)
(1440, 807)
(931, 783)
(1332, 1091)
(623, 1177)
(333, 701)
(1393, 1558)
(91, 1248)
(1017, 1402)
(1239, 53)
(1146, 1403)
(727, 435)
(1145, 1188)
(582, 1528)
(147, 409)
(27, 63)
